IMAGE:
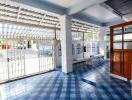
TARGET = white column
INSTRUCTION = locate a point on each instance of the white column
(66, 44)
(102, 42)
(54, 53)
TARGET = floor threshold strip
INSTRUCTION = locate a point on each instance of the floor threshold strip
(89, 82)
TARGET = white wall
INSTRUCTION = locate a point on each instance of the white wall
(75, 56)
(102, 47)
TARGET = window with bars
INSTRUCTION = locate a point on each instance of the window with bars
(88, 47)
(77, 36)
(79, 48)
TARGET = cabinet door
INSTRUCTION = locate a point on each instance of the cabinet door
(128, 51)
(117, 62)
(128, 64)
(117, 38)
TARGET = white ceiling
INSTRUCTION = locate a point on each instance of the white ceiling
(100, 13)
(63, 3)
(97, 11)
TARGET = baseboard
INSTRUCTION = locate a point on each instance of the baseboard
(119, 77)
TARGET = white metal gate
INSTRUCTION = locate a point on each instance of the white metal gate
(3, 61)
(15, 58)
(12, 59)
(24, 57)
(45, 55)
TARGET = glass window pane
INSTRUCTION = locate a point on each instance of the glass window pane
(128, 37)
(127, 45)
(117, 45)
(118, 31)
(76, 35)
(128, 29)
(117, 38)
(88, 36)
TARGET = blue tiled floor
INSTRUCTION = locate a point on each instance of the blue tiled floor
(85, 83)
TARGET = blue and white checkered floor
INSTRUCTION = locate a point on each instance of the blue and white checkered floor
(85, 83)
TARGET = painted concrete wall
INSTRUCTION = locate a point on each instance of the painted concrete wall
(101, 47)
(75, 56)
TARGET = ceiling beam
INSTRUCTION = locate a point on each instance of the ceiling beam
(42, 19)
(82, 5)
(87, 19)
(18, 13)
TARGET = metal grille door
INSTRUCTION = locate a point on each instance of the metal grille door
(3, 60)
(24, 57)
(45, 48)
(25, 51)
(16, 58)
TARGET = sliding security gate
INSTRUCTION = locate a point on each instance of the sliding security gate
(45, 49)
(24, 57)
(15, 58)
(12, 60)
(3, 61)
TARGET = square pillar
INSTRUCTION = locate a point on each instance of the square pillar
(54, 53)
(66, 43)
(102, 42)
